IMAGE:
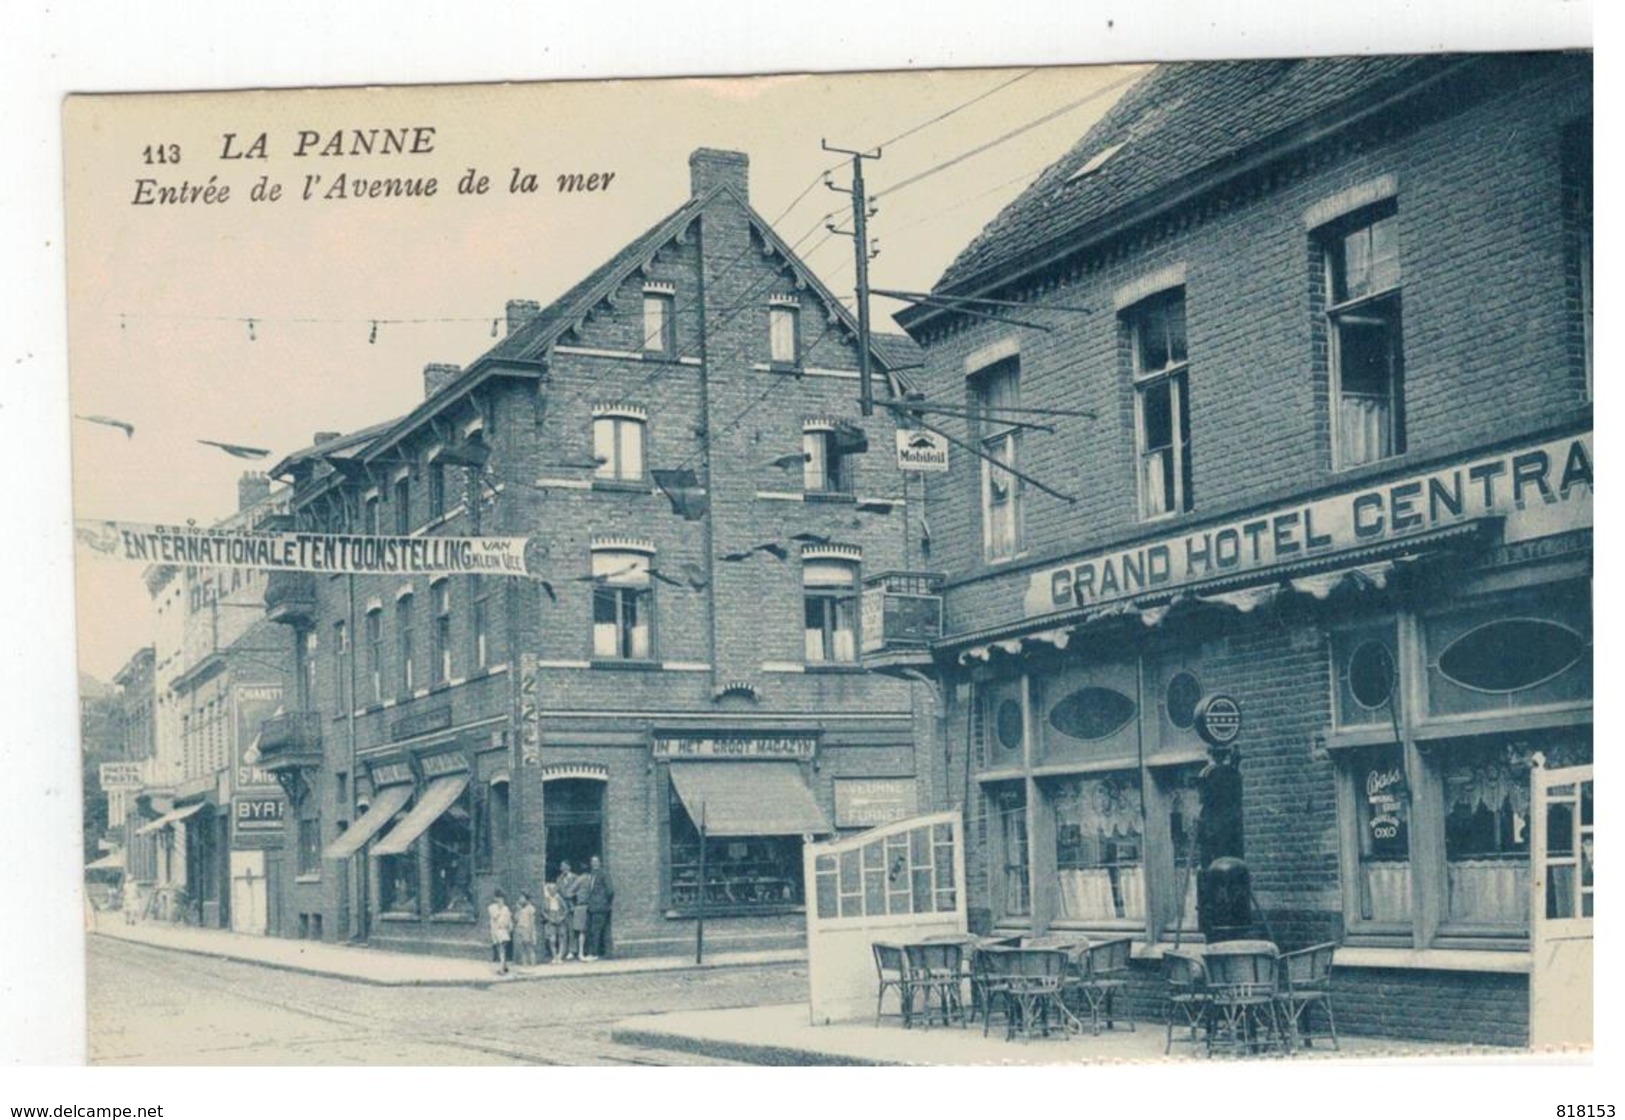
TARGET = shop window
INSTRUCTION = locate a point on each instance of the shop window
(404, 642)
(401, 499)
(1382, 813)
(742, 873)
(1184, 802)
(398, 876)
(622, 606)
(618, 446)
(909, 872)
(659, 323)
(375, 655)
(1362, 296)
(994, 392)
(784, 333)
(1161, 403)
(451, 860)
(830, 592)
(1007, 804)
(440, 653)
(1099, 848)
(1486, 837)
(310, 847)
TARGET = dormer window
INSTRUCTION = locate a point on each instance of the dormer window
(659, 320)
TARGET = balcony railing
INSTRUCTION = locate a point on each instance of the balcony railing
(290, 597)
(290, 739)
(902, 617)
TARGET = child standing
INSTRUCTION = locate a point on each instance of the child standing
(501, 919)
(524, 931)
(554, 918)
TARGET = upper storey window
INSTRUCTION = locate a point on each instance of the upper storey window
(995, 390)
(1162, 419)
(1362, 290)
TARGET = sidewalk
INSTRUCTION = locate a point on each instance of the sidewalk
(393, 969)
(782, 1035)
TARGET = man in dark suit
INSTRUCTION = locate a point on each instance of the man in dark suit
(599, 895)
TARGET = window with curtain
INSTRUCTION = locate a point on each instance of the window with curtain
(830, 590)
(1161, 403)
(375, 655)
(1486, 837)
(1382, 817)
(1007, 803)
(440, 655)
(1363, 321)
(622, 605)
(404, 642)
(827, 469)
(1099, 847)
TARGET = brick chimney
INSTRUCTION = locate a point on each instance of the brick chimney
(707, 167)
(252, 489)
(325, 437)
(436, 376)
(520, 312)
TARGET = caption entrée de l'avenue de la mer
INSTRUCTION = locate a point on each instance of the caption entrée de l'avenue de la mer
(312, 144)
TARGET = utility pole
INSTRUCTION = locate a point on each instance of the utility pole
(862, 253)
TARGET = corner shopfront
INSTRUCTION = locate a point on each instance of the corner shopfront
(1404, 653)
(444, 821)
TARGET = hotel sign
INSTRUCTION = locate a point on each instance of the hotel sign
(120, 775)
(796, 748)
(1538, 490)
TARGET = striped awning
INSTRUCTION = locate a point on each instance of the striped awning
(169, 818)
(436, 799)
(385, 805)
(749, 799)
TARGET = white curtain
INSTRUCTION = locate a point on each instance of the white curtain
(1489, 891)
(1365, 426)
(1086, 894)
(1388, 891)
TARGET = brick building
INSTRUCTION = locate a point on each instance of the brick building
(212, 830)
(691, 653)
(1321, 330)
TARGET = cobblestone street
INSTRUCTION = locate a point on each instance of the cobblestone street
(151, 1006)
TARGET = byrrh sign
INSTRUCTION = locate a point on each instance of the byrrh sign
(1539, 490)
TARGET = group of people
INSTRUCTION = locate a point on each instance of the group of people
(572, 920)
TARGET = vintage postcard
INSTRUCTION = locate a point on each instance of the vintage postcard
(1041, 565)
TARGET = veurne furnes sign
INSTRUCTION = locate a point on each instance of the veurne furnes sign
(1538, 490)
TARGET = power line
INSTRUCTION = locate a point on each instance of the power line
(956, 109)
(1012, 134)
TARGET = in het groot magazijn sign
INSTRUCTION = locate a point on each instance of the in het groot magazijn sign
(1539, 491)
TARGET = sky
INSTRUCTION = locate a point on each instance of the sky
(161, 294)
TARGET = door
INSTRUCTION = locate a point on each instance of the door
(573, 809)
(1561, 907)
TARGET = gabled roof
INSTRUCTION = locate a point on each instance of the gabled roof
(1177, 127)
(527, 346)
(347, 445)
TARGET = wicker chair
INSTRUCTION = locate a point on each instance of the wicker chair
(1241, 979)
(1187, 997)
(1306, 983)
(1105, 973)
(891, 970)
(936, 970)
(1026, 985)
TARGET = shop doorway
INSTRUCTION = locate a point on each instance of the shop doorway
(573, 809)
(1561, 907)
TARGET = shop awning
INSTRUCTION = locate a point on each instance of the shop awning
(170, 818)
(436, 799)
(385, 805)
(112, 861)
(749, 798)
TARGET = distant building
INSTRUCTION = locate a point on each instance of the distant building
(689, 659)
(1321, 364)
(218, 670)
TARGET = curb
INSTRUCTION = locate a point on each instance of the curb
(483, 984)
(750, 1053)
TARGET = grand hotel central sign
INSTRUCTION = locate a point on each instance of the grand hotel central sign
(1538, 490)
